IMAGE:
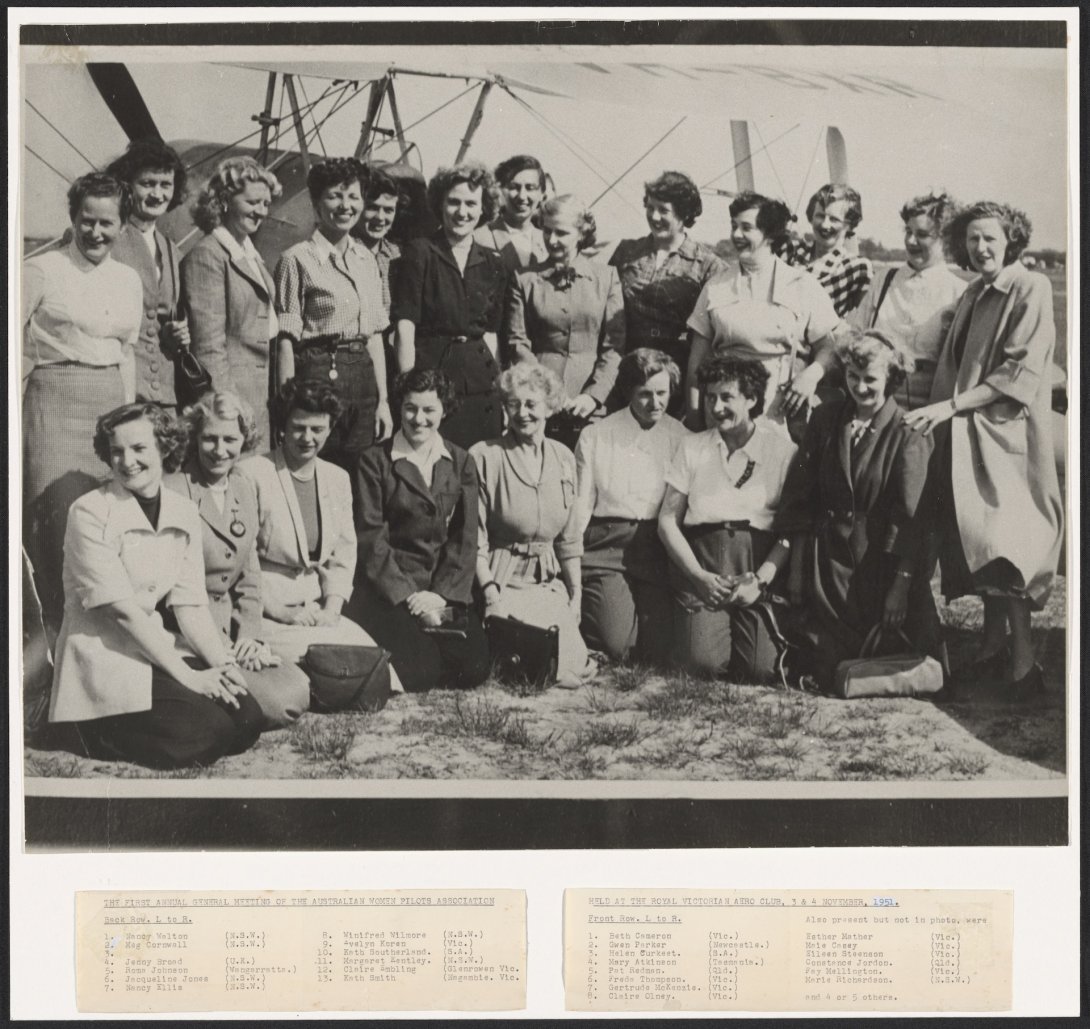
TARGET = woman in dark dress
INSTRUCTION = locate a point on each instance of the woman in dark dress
(448, 302)
(417, 531)
(850, 503)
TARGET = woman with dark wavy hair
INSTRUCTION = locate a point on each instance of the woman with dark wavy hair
(156, 178)
(995, 489)
(514, 233)
(80, 315)
(417, 531)
(663, 273)
(448, 301)
(568, 314)
(120, 676)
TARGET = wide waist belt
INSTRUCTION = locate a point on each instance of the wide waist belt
(445, 338)
(604, 520)
(332, 343)
(705, 527)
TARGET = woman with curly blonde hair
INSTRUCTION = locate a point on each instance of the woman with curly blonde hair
(996, 490)
(228, 290)
(136, 691)
(448, 301)
(222, 430)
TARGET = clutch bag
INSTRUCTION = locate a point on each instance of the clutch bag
(523, 653)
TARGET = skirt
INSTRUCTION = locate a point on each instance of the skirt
(61, 407)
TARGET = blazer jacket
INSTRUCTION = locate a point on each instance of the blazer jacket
(111, 553)
(412, 537)
(287, 572)
(232, 572)
(154, 363)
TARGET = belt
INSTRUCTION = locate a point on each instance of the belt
(601, 520)
(705, 527)
(534, 548)
(445, 338)
(332, 343)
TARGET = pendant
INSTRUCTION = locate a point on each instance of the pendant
(237, 529)
(333, 373)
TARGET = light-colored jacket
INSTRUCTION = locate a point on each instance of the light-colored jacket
(1006, 489)
(287, 571)
(111, 554)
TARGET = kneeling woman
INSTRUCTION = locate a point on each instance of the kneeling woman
(850, 504)
(135, 691)
(306, 539)
(722, 491)
(530, 546)
(221, 428)
(418, 541)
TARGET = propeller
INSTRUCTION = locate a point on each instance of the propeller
(123, 98)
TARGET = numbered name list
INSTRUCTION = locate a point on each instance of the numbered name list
(686, 950)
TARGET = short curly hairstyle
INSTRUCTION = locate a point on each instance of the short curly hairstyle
(1016, 225)
(332, 172)
(151, 155)
(507, 170)
(751, 378)
(378, 183)
(830, 193)
(677, 189)
(171, 435)
(773, 216)
(579, 213)
(424, 380)
(863, 350)
(534, 376)
(99, 185)
(225, 406)
(473, 174)
(230, 177)
(311, 396)
(936, 206)
(638, 366)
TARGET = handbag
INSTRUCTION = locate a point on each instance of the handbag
(523, 653)
(453, 623)
(347, 677)
(191, 378)
(897, 675)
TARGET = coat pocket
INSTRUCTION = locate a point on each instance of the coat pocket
(1006, 422)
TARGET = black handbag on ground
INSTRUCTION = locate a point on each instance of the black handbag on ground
(345, 677)
(523, 653)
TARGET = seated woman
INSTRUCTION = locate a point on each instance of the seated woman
(418, 542)
(851, 505)
(568, 314)
(528, 559)
(306, 540)
(221, 429)
(135, 691)
(722, 491)
(621, 463)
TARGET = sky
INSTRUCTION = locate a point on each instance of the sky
(979, 123)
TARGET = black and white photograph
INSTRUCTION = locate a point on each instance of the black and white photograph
(625, 418)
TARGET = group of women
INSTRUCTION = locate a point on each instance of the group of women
(489, 421)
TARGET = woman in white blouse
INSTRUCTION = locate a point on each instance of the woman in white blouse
(722, 491)
(621, 463)
(81, 318)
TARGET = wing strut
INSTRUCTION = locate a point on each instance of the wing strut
(474, 122)
(297, 119)
(266, 120)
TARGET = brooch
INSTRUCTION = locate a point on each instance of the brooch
(237, 528)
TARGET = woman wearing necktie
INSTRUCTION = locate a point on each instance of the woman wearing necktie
(229, 293)
(156, 179)
(851, 507)
(568, 314)
(448, 302)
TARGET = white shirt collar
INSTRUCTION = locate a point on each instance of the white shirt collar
(327, 249)
(76, 256)
(434, 451)
(753, 449)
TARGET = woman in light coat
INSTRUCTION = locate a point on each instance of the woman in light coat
(993, 486)
(229, 293)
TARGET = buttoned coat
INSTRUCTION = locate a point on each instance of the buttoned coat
(154, 361)
(860, 515)
(1005, 487)
(232, 572)
(112, 554)
(577, 330)
(415, 537)
(287, 571)
(228, 310)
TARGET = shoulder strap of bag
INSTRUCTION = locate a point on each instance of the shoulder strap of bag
(882, 296)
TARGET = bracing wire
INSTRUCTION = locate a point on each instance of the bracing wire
(571, 140)
(810, 168)
(775, 170)
(317, 127)
(653, 146)
(409, 128)
(776, 139)
(61, 134)
(47, 164)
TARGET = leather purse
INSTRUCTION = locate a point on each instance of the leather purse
(906, 674)
(346, 677)
(522, 653)
(191, 378)
(452, 622)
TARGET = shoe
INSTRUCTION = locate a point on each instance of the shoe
(991, 667)
(1030, 687)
